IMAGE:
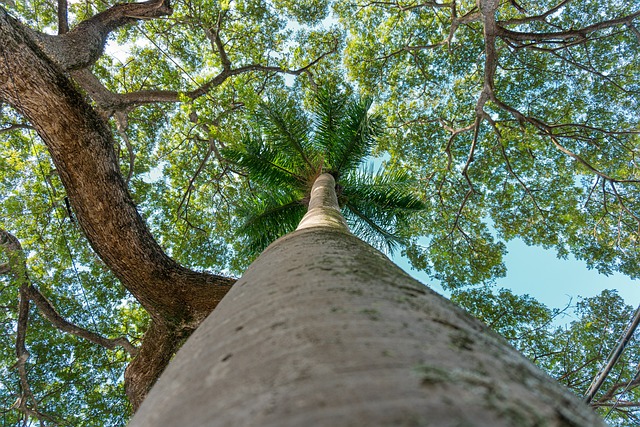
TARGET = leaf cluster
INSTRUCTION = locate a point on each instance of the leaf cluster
(290, 147)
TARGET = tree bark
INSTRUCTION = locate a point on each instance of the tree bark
(82, 149)
(82, 46)
(158, 346)
(324, 330)
(81, 146)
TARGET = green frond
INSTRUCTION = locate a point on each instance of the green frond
(372, 226)
(354, 138)
(328, 113)
(391, 190)
(263, 164)
(377, 204)
(283, 159)
(269, 217)
(287, 128)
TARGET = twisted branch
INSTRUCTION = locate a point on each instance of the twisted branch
(18, 269)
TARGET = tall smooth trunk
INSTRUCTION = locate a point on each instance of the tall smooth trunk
(324, 330)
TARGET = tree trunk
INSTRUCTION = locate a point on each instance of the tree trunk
(82, 148)
(324, 330)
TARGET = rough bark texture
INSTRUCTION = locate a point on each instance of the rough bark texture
(88, 168)
(324, 330)
(159, 345)
(81, 146)
(82, 46)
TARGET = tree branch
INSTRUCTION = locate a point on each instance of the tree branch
(635, 31)
(488, 10)
(542, 17)
(616, 404)
(63, 19)
(454, 134)
(586, 164)
(611, 392)
(547, 130)
(456, 21)
(47, 311)
(22, 355)
(408, 8)
(121, 127)
(621, 202)
(15, 126)
(81, 147)
(216, 43)
(18, 269)
(158, 346)
(522, 184)
(82, 46)
(26, 402)
(562, 36)
(110, 102)
(186, 197)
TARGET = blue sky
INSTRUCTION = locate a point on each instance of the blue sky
(552, 281)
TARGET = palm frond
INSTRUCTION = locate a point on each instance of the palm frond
(354, 138)
(372, 226)
(264, 164)
(391, 190)
(269, 217)
(377, 204)
(285, 157)
(328, 113)
(287, 128)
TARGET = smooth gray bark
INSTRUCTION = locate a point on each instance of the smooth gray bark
(323, 210)
(324, 330)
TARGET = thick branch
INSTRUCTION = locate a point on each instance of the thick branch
(18, 269)
(109, 102)
(488, 10)
(82, 148)
(561, 36)
(82, 46)
(21, 350)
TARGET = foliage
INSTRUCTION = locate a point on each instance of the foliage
(289, 149)
(531, 127)
(77, 382)
(528, 131)
(573, 353)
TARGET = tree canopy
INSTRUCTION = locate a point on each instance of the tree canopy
(522, 115)
(119, 209)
